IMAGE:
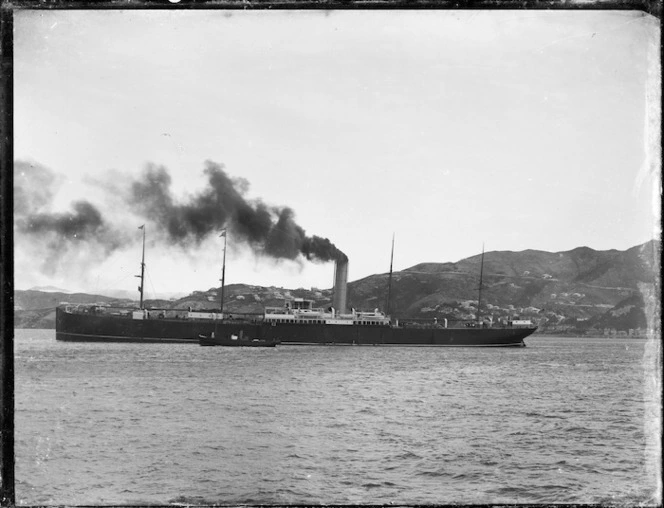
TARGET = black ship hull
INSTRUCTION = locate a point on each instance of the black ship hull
(78, 327)
(368, 335)
(110, 328)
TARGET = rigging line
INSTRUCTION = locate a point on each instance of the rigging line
(113, 285)
(389, 283)
(115, 267)
(154, 291)
(479, 299)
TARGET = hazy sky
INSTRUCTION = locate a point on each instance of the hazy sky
(516, 129)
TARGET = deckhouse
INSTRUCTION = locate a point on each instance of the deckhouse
(302, 311)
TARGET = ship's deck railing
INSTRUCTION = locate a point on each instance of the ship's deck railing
(94, 308)
(290, 311)
(329, 313)
(299, 315)
(155, 313)
(461, 323)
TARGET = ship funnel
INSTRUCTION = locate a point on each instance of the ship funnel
(340, 282)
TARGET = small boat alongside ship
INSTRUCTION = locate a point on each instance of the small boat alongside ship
(298, 322)
(233, 340)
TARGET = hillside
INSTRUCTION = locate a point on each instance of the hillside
(576, 290)
(36, 309)
(553, 289)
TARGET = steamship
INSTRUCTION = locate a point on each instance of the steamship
(298, 322)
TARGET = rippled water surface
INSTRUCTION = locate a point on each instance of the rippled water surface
(564, 420)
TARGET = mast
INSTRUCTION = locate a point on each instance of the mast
(479, 299)
(389, 280)
(142, 275)
(223, 272)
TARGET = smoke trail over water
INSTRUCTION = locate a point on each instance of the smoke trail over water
(268, 230)
(34, 188)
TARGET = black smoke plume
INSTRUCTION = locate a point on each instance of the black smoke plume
(34, 187)
(85, 223)
(269, 230)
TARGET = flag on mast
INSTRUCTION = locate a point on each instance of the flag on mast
(223, 233)
(141, 227)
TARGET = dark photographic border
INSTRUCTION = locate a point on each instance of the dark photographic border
(7, 9)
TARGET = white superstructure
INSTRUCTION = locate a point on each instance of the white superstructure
(301, 311)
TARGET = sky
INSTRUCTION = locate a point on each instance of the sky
(448, 129)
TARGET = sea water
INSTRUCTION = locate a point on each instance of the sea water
(570, 420)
